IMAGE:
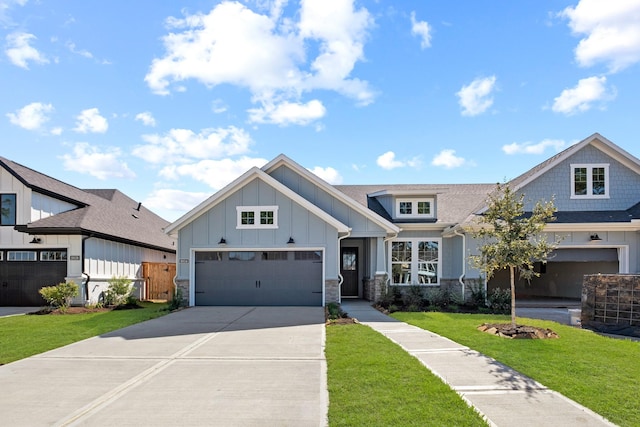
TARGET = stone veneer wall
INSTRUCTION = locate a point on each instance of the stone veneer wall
(612, 299)
(373, 287)
(183, 285)
(332, 291)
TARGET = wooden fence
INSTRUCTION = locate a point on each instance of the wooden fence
(158, 278)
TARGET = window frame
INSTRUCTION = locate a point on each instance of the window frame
(11, 254)
(415, 261)
(14, 209)
(258, 217)
(414, 204)
(590, 167)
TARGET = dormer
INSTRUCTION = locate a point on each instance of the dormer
(408, 205)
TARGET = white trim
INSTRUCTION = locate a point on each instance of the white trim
(254, 173)
(414, 264)
(414, 207)
(589, 167)
(257, 210)
(192, 264)
(363, 210)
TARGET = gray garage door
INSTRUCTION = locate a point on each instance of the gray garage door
(260, 278)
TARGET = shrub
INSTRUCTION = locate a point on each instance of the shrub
(413, 297)
(334, 311)
(478, 295)
(118, 292)
(60, 295)
(390, 296)
(499, 300)
(176, 302)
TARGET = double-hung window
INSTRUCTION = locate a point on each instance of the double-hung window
(589, 181)
(7, 209)
(415, 261)
(414, 208)
(257, 217)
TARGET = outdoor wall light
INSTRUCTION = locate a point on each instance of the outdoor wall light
(291, 241)
(36, 240)
(222, 241)
(594, 237)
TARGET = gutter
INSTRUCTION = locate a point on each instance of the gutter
(386, 267)
(464, 264)
(84, 273)
(340, 278)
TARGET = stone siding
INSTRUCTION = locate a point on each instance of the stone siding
(183, 285)
(332, 291)
(611, 299)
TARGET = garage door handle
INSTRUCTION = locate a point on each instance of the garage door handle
(316, 292)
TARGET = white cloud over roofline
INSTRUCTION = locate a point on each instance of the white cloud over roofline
(583, 96)
(32, 116)
(533, 148)
(328, 174)
(388, 161)
(100, 163)
(267, 54)
(214, 173)
(422, 30)
(447, 159)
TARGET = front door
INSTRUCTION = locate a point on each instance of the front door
(349, 272)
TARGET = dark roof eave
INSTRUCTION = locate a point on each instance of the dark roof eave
(84, 232)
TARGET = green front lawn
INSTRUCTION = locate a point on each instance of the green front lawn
(373, 382)
(24, 336)
(598, 372)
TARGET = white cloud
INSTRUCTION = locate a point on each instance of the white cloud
(82, 52)
(146, 118)
(20, 52)
(475, 98)
(582, 97)
(184, 145)
(422, 29)
(215, 173)
(611, 32)
(90, 121)
(56, 131)
(31, 116)
(531, 148)
(287, 113)
(167, 199)
(388, 161)
(267, 54)
(218, 106)
(87, 159)
(447, 158)
(328, 174)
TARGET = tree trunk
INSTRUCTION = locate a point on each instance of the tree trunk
(513, 296)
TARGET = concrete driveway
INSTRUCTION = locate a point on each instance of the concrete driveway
(213, 366)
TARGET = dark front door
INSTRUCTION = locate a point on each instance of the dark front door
(349, 271)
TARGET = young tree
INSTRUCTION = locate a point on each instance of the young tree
(512, 239)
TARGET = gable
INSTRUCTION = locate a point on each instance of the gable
(622, 182)
(362, 222)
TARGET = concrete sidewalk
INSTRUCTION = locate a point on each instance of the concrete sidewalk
(213, 366)
(504, 396)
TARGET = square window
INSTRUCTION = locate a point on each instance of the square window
(424, 208)
(589, 181)
(257, 217)
(266, 217)
(414, 208)
(405, 208)
(248, 218)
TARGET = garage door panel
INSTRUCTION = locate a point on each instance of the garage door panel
(260, 278)
(20, 281)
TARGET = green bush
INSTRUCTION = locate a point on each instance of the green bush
(176, 302)
(60, 295)
(499, 300)
(118, 292)
(390, 296)
(413, 297)
(478, 295)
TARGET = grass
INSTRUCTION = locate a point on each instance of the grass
(372, 381)
(24, 336)
(600, 373)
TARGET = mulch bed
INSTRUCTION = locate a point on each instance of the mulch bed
(82, 310)
(506, 330)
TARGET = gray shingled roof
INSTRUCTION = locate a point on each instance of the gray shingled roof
(455, 201)
(104, 213)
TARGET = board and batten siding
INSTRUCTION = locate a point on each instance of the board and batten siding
(361, 226)
(306, 228)
(44, 206)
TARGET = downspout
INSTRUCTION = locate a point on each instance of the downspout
(84, 273)
(386, 258)
(340, 278)
(464, 264)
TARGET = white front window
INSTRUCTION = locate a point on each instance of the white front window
(589, 181)
(414, 208)
(415, 261)
(257, 217)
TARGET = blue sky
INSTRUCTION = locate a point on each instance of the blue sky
(170, 101)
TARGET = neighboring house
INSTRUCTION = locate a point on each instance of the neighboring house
(279, 235)
(51, 232)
